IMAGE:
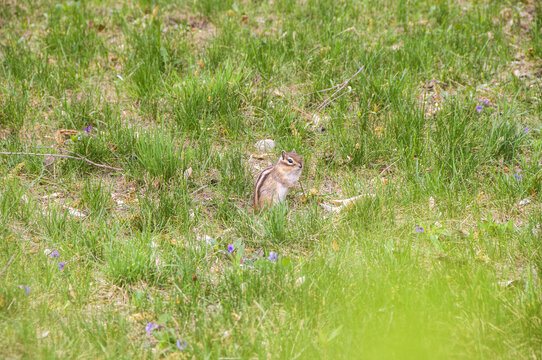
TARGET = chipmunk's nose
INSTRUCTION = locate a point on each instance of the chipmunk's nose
(300, 166)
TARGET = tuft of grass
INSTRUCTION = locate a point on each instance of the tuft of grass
(234, 177)
(70, 36)
(149, 58)
(161, 155)
(211, 99)
(14, 203)
(132, 260)
(13, 110)
(96, 199)
(166, 208)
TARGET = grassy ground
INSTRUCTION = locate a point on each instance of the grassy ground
(443, 125)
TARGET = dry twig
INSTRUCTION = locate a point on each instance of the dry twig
(341, 86)
(198, 189)
(388, 167)
(7, 265)
(338, 205)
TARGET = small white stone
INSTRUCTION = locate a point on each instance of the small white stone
(524, 202)
(158, 261)
(75, 212)
(53, 195)
(265, 145)
(206, 239)
(431, 203)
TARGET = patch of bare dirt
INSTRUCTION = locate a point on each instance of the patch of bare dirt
(431, 96)
(199, 27)
(522, 17)
(518, 23)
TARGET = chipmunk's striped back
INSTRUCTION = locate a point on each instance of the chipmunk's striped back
(259, 181)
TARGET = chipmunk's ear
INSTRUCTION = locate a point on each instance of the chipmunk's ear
(293, 150)
(284, 154)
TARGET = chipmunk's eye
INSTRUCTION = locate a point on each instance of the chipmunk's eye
(290, 161)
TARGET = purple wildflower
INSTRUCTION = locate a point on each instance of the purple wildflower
(88, 128)
(526, 130)
(54, 254)
(272, 256)
(26, 289)
(150, 327)
(518, 177)
(61, 266)
(231, 248)
(419, 229)
(479, 108)
(485, 102)
(181, 344)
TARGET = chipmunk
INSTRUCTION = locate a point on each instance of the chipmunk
(273, 183)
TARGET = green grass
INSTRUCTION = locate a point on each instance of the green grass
(442, 127)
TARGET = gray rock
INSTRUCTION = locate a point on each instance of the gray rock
(265, 145)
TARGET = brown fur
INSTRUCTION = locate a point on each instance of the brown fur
(273, 182)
